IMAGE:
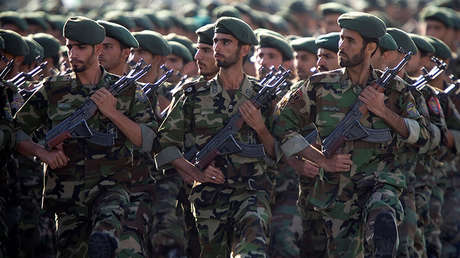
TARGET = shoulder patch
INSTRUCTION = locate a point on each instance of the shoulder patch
(434, 105)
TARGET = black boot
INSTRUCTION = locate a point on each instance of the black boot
(385, 236)
(101, 245)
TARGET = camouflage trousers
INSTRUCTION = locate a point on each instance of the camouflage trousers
(193, 249)
(408, 227)
(89, 199)
(433, 229)
(233, 220)
(168, 234)
(349, 216)
(450, 228)
(286, 223)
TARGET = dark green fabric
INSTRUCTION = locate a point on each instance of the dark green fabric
(180, 50)
(305, 44)
(119, 33)
(119, 18)
(334, 8)
(328, 41)
(14, 43)
(367, 25)
(35, 50)
(153, 42)
(387, 43)
(441, 50)
(403, 40)
(226, 11)
(422, 43)
(183, 40)
(237, 28)
(205, 34)
(84, 30)
(436, 13)
(50, 44)
(37, 18)
(270, 41)
(14, 18)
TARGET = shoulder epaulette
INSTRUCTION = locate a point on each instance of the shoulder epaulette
(196, 86)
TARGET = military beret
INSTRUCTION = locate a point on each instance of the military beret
(334, 8)
(226, 11)
(56, 22)
(14, 18)
(422, 43)
(153, 17)
(298, 7)
(119, 33)
(278, 23)
(153, 42)
(305, 44)
(270, 41)
(119, 18)
(38, 19)
(441, 50)
(260, 31)
(206, 34)
(368, 25)
(183, 40)
(2, 43)
(387, 43)
(328, 41)
(403, 40)
(290, 38)
(49, 43)
(84, 30)
(237, 28)
(436, 13)
(142, 21)
(14, 43)
(452, 15)
(35, 50)
(180, 50)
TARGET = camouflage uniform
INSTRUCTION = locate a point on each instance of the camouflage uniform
(349, 202)
(91, 194)
(232, 218)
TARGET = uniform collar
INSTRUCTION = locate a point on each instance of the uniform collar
(245, 88)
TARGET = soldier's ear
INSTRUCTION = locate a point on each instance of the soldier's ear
(371, 47)
(245, 50)
(98, 49)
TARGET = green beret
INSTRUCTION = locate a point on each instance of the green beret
(84, 30)
(270, 41)
(119, 18)
(35, 50)
(328, 41)
(153, 18)
(368, 25)
(290, 38)
(226, 11)
(119, 33)
(181, 51)
(38, 19)
(14, 18)
(441, 50)
(403, 40)
(14, 43)
(334, 8)
(436, 13)
(260, 31)
(56, 22)
(142, 21)
(2, 43)
(183, 40)
(422, 43)
(49, 43)
(237, 28)
(387, 43)
(206, 34)
(298, 7)
(278, 23)
(452, 15)
(305, 44)
(153, 42)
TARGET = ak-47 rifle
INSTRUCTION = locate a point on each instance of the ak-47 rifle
(427, 77)
(7, 69)
(149, 88)
(350, 129)
(75, 126)
(224, 142)
(22, 77)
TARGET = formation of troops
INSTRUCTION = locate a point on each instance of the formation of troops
(228, 130)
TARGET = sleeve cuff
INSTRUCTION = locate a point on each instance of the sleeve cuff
(294, 145)
(456, 135)
(414, 130)
(167, 155)
(22, 136)
(435, 136)
(148, 135)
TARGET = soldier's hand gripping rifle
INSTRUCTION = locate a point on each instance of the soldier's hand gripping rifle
(350, 129)
(427, 77)
(75, 126)
(224, 141)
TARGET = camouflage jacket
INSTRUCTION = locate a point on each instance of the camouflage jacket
(7, 132)
(62, 95)
(200, 113)
(325, 100)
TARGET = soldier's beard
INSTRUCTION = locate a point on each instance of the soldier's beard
(352, 61)
(231, 60)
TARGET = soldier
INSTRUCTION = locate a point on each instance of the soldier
(330, 12)
(305, 56)
(204, 56)
(179, 57)
(86, 182)
(13, 21)
(231, 198)
(117, 48)
(360, 207)
(190, 69)
(328, 46)
(386, 53)
(51, 47)
(271, 51)
(16, 50)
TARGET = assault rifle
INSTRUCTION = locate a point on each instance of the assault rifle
(224, 142)
(350, 129)
(426, 77)
(22, 77)
(150, 87)
(75, 126)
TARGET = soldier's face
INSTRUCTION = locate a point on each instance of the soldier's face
(327, 60)
(413, 66)
(267, 57)
(205, 59)
(304, 62)
(227, 51)
(436, 29)
(138, 53)
(81, 56)
(329, 23)
(177, 64)
(351, 48)
(112, 55)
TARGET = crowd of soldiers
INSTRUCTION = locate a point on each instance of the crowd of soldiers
(92, 167)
